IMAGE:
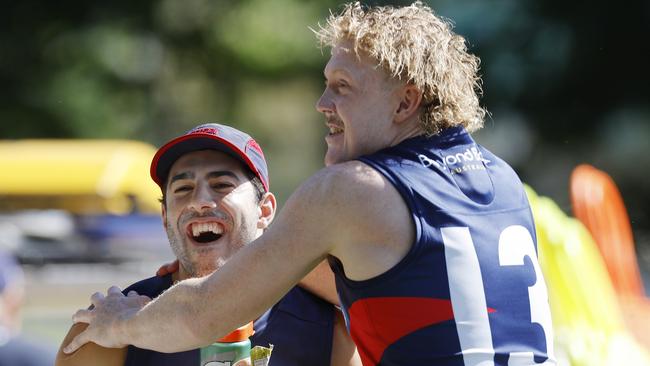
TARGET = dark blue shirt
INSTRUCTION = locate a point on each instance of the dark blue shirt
(470, 289)
(300, 327)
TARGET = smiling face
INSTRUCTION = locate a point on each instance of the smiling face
(211, 211)
(359, 104)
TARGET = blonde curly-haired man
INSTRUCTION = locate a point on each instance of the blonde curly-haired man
(429, 234)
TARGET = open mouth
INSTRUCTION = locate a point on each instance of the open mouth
(205, 232)
(206, 237)
(334, 130)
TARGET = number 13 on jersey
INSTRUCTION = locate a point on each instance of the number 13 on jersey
(468, 271)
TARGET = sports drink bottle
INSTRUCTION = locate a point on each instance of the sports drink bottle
(228, 350)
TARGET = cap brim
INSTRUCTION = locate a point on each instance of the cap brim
(174, 149)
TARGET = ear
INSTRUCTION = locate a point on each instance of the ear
(409, 103)
(266, 210)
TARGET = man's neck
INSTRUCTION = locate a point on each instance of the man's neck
(412, 129)
(176, 276)
(183, 274)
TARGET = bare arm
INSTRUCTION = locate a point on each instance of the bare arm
(320, 282)
(344, 352)
(315, 221)
(89, 353)
(198, 311)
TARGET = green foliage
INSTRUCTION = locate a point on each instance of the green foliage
(149, 70)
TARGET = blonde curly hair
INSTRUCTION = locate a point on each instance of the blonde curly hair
(415, 45)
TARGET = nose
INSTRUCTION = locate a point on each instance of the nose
(202, 199)
(324, 103)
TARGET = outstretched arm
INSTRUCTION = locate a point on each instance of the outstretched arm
(195, 312)
(320, 281)
(347, 210)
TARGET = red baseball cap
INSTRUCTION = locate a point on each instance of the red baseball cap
(211, 136)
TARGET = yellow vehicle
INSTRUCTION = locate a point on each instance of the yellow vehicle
(79, 176)
(95, 193)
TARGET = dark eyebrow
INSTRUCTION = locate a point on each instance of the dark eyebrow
(180, 176)
(214, 174)
(221, 173)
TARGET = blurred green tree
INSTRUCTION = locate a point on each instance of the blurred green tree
(565, 82)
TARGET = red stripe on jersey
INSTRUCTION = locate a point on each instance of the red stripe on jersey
(377, 322)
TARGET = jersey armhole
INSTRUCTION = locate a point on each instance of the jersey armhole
(415, 246)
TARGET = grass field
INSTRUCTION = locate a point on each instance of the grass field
(55, 292)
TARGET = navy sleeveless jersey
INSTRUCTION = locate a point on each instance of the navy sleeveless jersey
(470, 290)
(300, 326)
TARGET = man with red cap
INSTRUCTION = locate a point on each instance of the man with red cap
(215, 200)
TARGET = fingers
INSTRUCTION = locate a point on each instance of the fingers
(167, 268)
(96, 298)
(114, 290)
(109, 310)
(82, 316)
(77, 342)
(244, 362)
(144, 300)
(162, 271)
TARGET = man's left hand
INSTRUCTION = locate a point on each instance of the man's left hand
(167, 268)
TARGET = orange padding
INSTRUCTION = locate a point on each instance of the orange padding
(598, 204)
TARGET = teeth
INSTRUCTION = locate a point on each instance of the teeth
(206, 227)
(335, 130)
(217, 229)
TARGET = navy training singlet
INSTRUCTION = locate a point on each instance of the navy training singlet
(470, 290)
(300, 326)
